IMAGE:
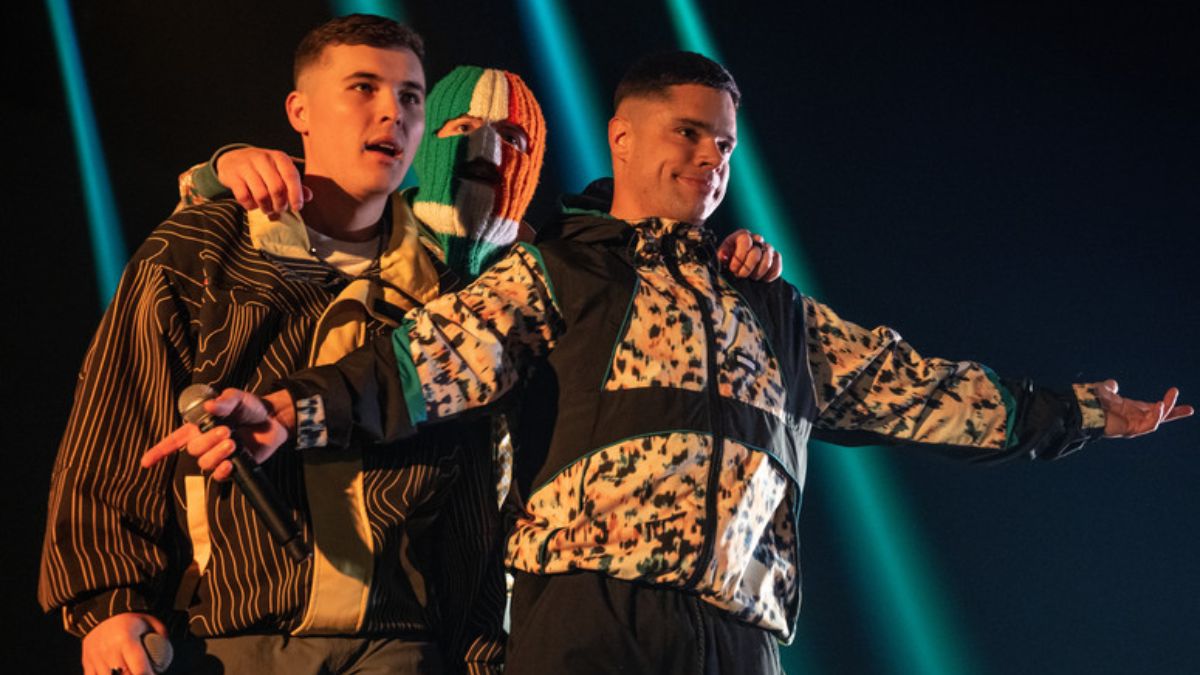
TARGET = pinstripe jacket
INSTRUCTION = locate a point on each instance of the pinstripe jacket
(205, 300)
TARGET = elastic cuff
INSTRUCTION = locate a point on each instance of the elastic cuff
(81, 617)
(311, 431)
(323, 407)
(205, 179)
(1090, 410)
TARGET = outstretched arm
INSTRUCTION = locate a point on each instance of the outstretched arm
(873, 386)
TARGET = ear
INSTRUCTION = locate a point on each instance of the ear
(297, 111)
(619, 137)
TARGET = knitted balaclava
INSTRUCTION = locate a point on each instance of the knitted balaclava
(474, 219)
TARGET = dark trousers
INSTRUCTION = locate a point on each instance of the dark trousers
(585, 623)
(263, 654)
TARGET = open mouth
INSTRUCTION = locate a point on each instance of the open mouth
(479, 170)
(384, 148)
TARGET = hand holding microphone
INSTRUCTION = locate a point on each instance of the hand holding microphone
(129, 642)
(217, 451)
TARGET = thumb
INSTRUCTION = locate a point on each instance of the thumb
(155, 625)
(307, 193)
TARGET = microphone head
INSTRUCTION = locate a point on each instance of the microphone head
(159, 649)
(191, 401)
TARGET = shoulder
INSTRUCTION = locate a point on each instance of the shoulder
(181, 239)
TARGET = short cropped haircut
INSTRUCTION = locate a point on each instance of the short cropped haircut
(355, 29)
(653, 74)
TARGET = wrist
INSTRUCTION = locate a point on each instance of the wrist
(281, 408)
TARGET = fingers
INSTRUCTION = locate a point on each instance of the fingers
(765, 263)
(1129, 418)
(267, 168)
(293, 186)
(1180, 413)
(743, 254)
(238, 406)
(174, 442)
(726, 250)
(115, 645)
(212, 447)
(776, 270)
(263, 179)
(136, 662)
(1174, 410)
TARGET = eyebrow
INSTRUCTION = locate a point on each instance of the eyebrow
(375, 77)
(703, 125)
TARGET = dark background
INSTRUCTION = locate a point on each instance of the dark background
(1012, 184)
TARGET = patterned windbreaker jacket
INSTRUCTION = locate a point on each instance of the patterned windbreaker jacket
(666, 408)
(209, 298)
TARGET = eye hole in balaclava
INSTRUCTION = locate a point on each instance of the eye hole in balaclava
(474, 184)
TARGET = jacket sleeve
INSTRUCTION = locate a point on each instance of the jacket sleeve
(458, 353)
(105, 550)
(470, 567)
(199, 184)
(872, 386)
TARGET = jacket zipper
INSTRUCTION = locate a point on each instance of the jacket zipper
(718, 435)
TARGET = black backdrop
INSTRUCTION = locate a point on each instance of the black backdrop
(1016, 185)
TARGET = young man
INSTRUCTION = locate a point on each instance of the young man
(661, 493)
(406, 575)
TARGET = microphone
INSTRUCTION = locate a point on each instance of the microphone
(248, 476)
(159, 651)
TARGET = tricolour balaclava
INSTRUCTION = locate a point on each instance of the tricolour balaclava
(475, 219)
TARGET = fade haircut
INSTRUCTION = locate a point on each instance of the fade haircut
(355, 29)
(651, 75)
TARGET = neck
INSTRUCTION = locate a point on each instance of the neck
(623, 209)
(335, 213)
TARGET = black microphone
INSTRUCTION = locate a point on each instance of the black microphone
(248, 475)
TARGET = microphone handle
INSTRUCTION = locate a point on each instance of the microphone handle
(253, 483)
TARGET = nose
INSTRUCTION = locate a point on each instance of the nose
(390, 110)
(708, 154)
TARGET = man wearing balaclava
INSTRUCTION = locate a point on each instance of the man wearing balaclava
(478, 164)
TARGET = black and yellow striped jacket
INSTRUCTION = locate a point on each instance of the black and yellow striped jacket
(203, 301)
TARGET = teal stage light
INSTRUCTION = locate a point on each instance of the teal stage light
(108, 243)
(392, 9)
(567, 92)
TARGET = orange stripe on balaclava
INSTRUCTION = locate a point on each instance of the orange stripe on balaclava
(521, 170)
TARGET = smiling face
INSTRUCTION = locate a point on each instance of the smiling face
(361, 113)
(671, 153)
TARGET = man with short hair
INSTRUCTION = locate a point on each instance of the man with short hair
(661, 492)
(406, 575)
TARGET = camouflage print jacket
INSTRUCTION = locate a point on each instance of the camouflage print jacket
(666, 408)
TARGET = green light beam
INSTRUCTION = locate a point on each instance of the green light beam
(108, 244)
(566, 88)
(906, 605)
(392, 9)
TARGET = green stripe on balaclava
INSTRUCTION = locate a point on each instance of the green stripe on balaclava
(436, 158)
